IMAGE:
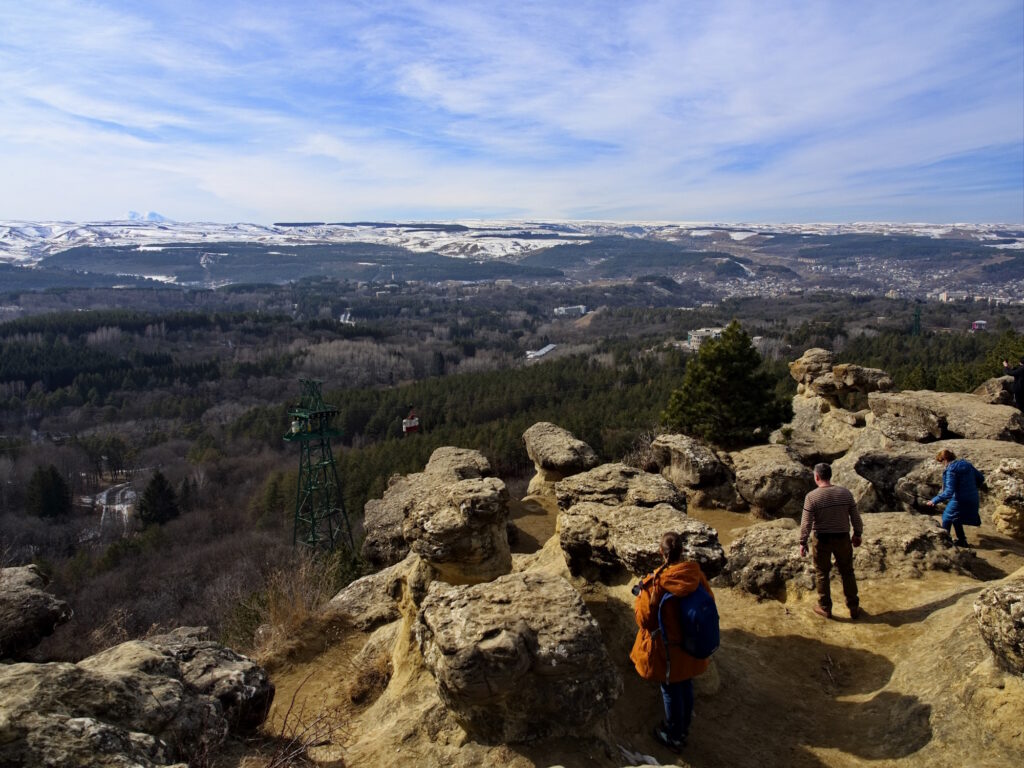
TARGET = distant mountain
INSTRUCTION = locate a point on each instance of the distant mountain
(148, 216)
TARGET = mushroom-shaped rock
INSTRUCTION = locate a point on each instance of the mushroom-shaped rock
(999, 610)
(812, 364)
(615, 484)
(28, 613)
(934, 415)
(384, 543)
(517, 659)
(765, 559)
(771, 480)
(460, 529)
(596, 537)
(145, 702)
(556, 454)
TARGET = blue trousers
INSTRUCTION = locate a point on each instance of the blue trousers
(678, 699)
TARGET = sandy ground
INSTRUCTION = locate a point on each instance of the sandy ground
(909, 684)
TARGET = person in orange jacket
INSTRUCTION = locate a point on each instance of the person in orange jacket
(680, 577)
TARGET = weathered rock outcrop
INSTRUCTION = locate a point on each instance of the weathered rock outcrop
(385, 518)
(150, 702)
(28, 613)
(771, 480)
(1005, 489)
(765, 558)
(598, 538)
(517, 659)
(556, 454)
(997, 391)
(842, 386)
(373, 600)
(1000, 614)
(818, 430)
(615, 484)
(924, 416)
(688, 463)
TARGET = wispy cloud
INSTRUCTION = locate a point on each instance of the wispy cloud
(725, 110)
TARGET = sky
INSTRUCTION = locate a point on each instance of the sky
(720, 110)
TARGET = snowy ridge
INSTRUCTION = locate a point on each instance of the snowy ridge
(29, 242)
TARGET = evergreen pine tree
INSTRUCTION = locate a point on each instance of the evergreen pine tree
(726, 398)
(48, 494)
(158, 504)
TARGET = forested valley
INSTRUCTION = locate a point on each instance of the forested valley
(176, 403)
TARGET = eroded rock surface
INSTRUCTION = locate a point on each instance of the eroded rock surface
(615, 484)
(152, 702)
(842, 386)
(516, 659)
(765, 559)
(771, 480)
(28, 613)
(596, 536)
(556, 454)
(924, 415)
(1000, 614)
(1006, 488)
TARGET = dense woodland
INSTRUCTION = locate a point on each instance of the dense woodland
(184, 399)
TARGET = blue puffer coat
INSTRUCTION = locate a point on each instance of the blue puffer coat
(960, 482)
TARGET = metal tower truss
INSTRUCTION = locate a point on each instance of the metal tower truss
(320, 517)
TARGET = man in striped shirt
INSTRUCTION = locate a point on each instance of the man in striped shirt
(830, 510)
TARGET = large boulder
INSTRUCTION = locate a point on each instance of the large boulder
(376, 599)
(923, 416)
(1000, 613)
(843, 386)
(384, 519)
(997, 391)
(152, 702)
(688, 463)
(517, 659)
(819, 431)
(28, 613)
(771, 480)
(615, 484)
(764, 559)
(460, 528)
(1005, 487)
(596, 537)
(812, 364)
(556, 454)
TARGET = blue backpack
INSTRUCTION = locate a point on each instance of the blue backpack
(698, 619)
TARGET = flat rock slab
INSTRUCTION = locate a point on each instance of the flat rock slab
(935, 415)
(615, 484)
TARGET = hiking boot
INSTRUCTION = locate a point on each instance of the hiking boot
(855, 612)
(823, 611)
(661, 735)
(962, 543)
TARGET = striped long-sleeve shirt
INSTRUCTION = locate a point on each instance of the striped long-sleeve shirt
(830, 509)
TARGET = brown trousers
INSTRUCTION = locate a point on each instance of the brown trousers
(825, 547)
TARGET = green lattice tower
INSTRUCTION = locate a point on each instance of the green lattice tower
(320, 517)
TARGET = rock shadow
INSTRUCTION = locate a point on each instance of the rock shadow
(781, 697)
(913, 615)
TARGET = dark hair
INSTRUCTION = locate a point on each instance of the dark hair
(945, 455)
(672, 546)
(824, 471)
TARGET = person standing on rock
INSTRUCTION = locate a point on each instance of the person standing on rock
(674, 668)
(1018, 382)
(960, 481)
(830, 510)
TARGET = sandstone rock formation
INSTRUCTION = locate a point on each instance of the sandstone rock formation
(843, 386)
(1006, 490)
(615, 484)
(688, 463)
(771, 480)
(150, 702)
(556, 454)
(925, 416)
(765, 558)
(996, 391)
(517, 659)
(599, 539)
(819, 431)
(28, 613)
(453, 476)
(1000, 614)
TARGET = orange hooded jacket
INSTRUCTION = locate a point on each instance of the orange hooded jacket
(648, 654)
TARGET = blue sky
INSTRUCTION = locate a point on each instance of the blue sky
(687, 111)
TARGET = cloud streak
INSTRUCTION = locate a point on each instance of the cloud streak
(652, 110)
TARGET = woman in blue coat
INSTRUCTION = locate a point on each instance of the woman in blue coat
(960, 481)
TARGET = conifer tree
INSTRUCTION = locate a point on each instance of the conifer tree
(158, 504)
(726, 398)
(48, 494)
